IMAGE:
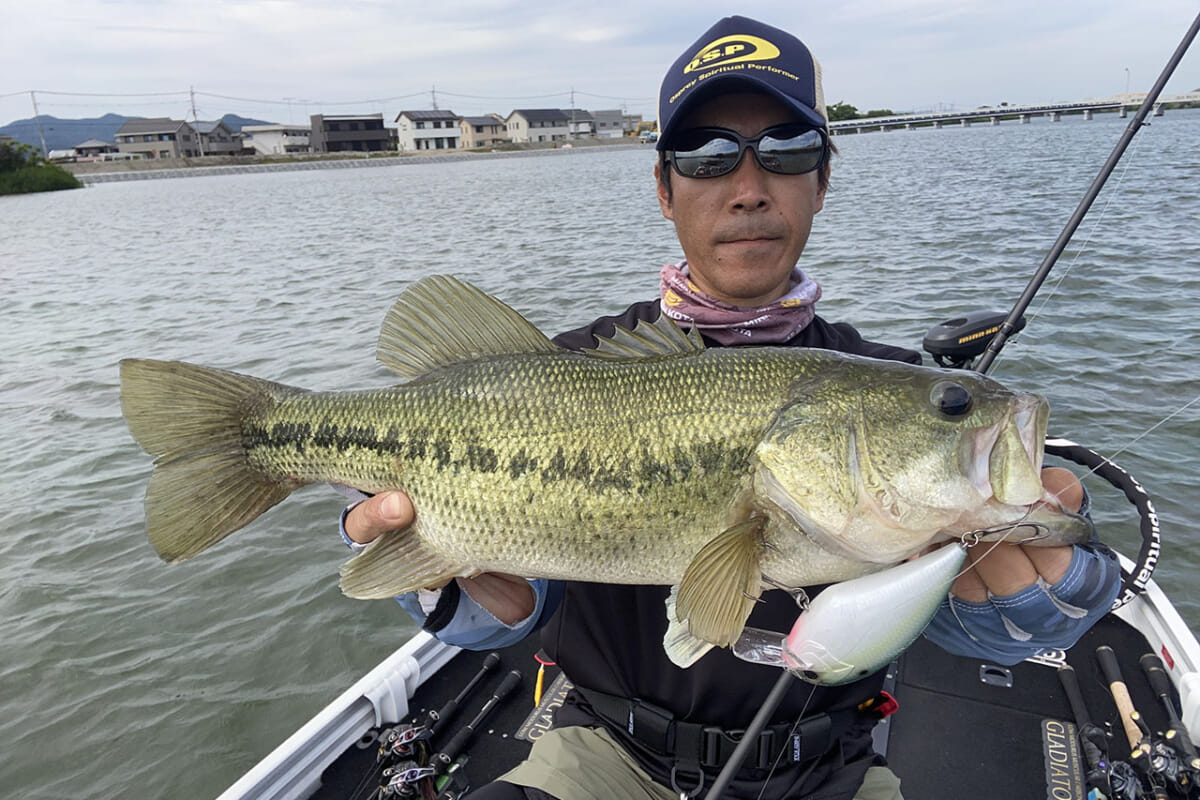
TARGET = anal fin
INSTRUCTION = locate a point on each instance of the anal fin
(396, 563)
(682, 648)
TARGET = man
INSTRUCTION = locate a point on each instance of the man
(743, 169)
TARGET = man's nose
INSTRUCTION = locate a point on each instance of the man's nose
(749, 181)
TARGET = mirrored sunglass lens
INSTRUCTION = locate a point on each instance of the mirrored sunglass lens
(792, 155)
(714, 157)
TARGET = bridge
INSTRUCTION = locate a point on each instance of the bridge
(1122, 104)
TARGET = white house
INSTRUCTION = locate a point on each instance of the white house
(427, 130)
(538, 125)
(269, 140)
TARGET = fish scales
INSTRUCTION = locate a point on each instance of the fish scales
(535, 462)
(647, 460)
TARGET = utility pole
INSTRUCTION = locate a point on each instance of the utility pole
(572, 136)
(433, 97)
(37, 118)
(199, 138)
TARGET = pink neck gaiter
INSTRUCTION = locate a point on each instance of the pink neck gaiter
(731, 325)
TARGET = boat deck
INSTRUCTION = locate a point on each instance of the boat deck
(964, 729)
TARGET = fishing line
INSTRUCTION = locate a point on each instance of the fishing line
(1008, 327)
(1153, 427)
(1112, 196)
(812, 690)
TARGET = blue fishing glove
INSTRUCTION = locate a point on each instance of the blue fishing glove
(1009, 629)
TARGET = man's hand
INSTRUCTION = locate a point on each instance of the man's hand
(509, 598)
(375, 516)
(1006, 569)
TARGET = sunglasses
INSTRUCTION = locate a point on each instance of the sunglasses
(783, 149)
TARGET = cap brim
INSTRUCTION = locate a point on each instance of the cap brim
(720, 85)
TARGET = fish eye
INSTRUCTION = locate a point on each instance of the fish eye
(951, 398)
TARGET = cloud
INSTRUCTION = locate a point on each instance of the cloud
(494, 55)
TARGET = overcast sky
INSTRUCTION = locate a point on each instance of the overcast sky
(284, 59)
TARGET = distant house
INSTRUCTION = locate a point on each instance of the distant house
(158, 138)
(94, 150)
(580, 123)
(538, 125)
(217, 139)
(482, 131)
(269, 140)
(427, 130)
(609, 124)
(334, 133)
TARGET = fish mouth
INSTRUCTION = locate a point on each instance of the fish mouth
(1004, 460)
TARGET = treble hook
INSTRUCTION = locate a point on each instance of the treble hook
(798, 594)
(973, 538)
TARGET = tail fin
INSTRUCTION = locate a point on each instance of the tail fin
(189, 418)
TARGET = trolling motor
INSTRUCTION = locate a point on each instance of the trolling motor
(956, 343)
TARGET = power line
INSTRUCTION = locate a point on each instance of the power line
(316, 102)
(105, 94)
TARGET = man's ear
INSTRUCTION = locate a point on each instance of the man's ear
(664, 192)
(821, 187)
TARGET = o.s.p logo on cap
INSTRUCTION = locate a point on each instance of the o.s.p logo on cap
(732, 50)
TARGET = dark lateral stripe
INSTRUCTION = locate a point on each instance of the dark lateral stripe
(647, 468)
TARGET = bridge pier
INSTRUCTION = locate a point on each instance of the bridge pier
(1124, 112)
(995, 121)
(1087, 114)
(1056, 116)
(1158, 110)
(937, 125)
(1024, 119)
(965, 123)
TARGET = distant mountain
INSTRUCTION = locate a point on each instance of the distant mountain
(236, 123)
(63, 134)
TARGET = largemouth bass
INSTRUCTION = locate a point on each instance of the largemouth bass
(649, 460)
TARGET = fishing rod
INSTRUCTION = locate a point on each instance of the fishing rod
(1010, 324)
(1177, 735)
(1156, 767)
(1013, 322)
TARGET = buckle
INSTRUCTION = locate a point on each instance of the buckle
(717, 746)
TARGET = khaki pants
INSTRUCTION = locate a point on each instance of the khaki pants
(576, 763)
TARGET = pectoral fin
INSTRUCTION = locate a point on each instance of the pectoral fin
(721, 584)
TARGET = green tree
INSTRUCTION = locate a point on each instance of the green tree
(880, 112)
(839, 112)
(15, 156)
(23, 170)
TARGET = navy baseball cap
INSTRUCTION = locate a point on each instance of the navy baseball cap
(738, 50)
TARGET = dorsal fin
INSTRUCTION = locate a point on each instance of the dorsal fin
(659, 338)
(440, 320)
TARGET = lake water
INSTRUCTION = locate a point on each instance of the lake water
(122, 676)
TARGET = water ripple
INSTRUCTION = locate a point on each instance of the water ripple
(157, 672)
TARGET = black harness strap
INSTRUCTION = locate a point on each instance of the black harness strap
(709, 746)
